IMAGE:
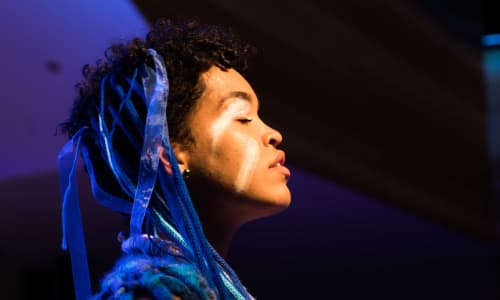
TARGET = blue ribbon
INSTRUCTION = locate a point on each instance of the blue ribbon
(73, 237)
(104, 198)
(156, 89)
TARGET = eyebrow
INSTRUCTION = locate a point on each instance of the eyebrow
(234, 94)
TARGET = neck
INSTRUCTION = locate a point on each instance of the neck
(220, 222)
(219, 234)
(221, 215)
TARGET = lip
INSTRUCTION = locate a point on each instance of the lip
(284, 170)
(279, 164)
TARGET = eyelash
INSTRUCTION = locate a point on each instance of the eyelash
(245, 120)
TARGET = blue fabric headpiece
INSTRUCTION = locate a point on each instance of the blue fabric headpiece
(173, 212)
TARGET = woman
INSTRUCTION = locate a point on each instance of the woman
(188, 178)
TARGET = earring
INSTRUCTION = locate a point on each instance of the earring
(186, 173)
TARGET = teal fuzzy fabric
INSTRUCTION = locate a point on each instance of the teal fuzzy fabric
(153, 269)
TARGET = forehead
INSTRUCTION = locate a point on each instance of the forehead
(223, 86)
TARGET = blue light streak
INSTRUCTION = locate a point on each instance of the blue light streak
(491, 40)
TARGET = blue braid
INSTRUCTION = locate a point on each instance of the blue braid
(172, 210)
(108, 148)
(200, 240)
(125, 101)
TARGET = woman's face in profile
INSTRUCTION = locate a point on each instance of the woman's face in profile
(235, 153)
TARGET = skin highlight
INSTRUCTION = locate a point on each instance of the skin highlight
(237, 108)
(249, 162)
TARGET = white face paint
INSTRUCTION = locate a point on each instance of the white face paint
(237, 108)
(250, 159)
(234, 109)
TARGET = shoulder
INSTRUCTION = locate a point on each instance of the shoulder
(166, 275)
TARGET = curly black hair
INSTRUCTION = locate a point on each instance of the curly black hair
(188, 49)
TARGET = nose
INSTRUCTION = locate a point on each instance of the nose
(273, 137)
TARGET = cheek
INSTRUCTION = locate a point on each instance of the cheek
(220, 125)
(217, 130)
(238, 153)
(248, 162)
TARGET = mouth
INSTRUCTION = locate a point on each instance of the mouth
(278, 164)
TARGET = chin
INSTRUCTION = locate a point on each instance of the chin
(283, 199)
(275, 203)
(263, 201)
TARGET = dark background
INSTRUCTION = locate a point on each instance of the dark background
(387, 109)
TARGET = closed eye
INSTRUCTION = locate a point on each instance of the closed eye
(245, 120)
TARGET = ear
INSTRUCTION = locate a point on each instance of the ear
(181, 155)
